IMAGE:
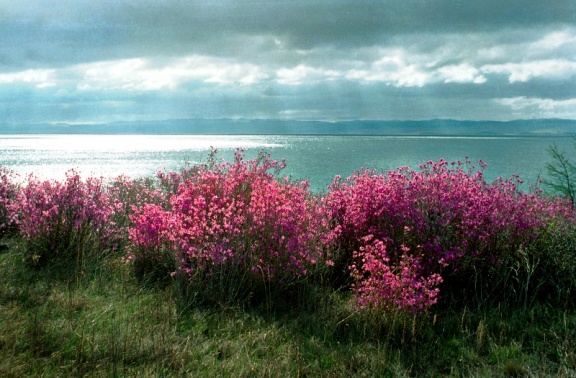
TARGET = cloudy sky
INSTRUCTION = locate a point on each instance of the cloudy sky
(87, 61)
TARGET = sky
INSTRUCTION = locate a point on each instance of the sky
(87, 61)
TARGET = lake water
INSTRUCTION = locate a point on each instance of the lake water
(316, 158)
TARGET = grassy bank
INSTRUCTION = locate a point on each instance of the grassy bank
(105, 323)
(227, 269)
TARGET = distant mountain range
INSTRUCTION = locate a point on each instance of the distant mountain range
(439, 127)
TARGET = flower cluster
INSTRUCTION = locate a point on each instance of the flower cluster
(418, 225)
(57, 217)
(127, 194)
(392, 286)
(399, 239)
(236, 215)
(8, 192)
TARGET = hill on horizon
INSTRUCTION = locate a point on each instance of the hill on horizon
(436, 127)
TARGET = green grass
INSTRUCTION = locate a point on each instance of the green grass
(57, 322)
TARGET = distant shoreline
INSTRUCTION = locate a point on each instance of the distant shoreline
(525, 128)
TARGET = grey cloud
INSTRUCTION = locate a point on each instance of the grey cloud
(28, 44)
(85, 31)
(325, 40)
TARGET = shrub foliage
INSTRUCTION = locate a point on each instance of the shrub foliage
(404, 240)
(407, 233)
(64, 220)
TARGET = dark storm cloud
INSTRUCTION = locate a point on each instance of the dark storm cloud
(74, 31)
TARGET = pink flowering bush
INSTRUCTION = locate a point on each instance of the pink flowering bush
(153, 243)
(64, 220)
(379, 284)
(441, 221)
(144, 199)
(235, 225)
(127, 194)
(8, 192)
(401, 240)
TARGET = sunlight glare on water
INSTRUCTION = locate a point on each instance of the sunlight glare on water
(131, 143)
(50, 156)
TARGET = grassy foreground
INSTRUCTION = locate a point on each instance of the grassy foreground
(104, 323)
(227, 269)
